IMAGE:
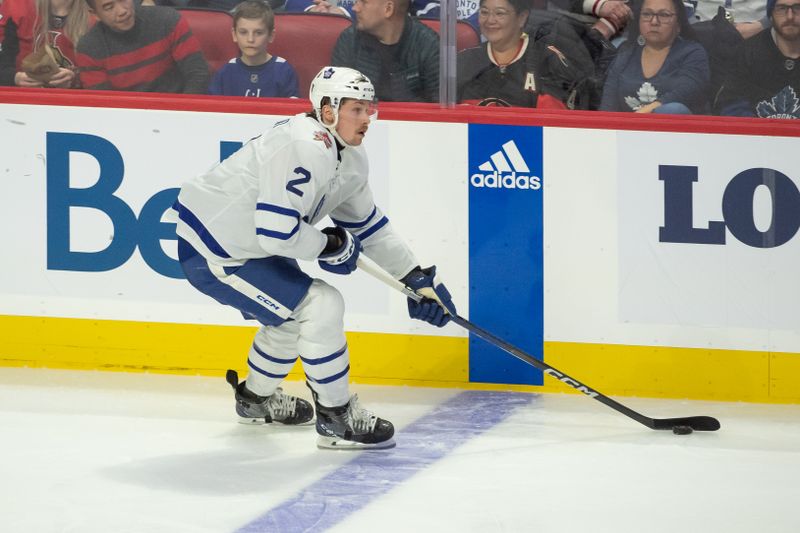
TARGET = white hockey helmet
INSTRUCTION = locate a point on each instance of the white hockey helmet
(338, 83)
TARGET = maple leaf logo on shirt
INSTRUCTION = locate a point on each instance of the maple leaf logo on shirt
(647, 94)
(783, 105)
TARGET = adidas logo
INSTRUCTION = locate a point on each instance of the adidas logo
(506, 169)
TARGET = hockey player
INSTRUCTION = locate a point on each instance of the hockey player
(242, 228)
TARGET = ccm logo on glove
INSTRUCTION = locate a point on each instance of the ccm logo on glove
(341, 253)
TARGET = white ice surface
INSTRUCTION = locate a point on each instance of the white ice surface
(110, 452)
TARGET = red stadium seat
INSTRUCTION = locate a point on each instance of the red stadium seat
(213, 29)
(306, 41)
(466, 35)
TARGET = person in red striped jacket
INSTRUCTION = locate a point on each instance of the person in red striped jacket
(145, 49)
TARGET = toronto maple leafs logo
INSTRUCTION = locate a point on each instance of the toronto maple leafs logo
(328, 73)
(783, 105)
(324, 137)
(464, 8)
(647, 94)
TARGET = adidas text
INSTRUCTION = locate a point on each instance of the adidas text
(495, 180)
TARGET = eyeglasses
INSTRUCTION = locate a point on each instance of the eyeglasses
(661, 16)
(783, 10)
(499, 14)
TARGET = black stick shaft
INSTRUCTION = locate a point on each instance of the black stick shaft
(549, 370)
(699, 423)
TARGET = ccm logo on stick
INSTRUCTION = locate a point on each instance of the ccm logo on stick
(571, 382)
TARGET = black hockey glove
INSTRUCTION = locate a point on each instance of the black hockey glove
(436, 305)
(340, 254)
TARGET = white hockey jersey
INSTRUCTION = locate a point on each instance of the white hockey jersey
(266, 198)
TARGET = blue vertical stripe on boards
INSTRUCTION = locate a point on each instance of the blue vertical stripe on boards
(505, 250)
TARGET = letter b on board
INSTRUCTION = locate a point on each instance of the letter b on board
(147, 231)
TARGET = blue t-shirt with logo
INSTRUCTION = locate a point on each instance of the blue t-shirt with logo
(275, 78)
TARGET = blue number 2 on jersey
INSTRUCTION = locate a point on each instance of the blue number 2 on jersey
(299, 181)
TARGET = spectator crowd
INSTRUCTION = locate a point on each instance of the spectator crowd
(640, 56)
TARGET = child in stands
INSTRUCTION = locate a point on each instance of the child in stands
(255, 72)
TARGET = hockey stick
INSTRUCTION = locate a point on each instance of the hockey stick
(697, 423)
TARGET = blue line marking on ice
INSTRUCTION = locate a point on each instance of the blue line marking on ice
(425, 441)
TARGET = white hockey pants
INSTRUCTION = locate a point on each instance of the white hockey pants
(316, 335)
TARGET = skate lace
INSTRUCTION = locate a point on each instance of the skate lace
(281, 405)
(359, 418)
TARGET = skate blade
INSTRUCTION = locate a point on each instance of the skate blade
(311, 422)
(253, 421)
(336, 443)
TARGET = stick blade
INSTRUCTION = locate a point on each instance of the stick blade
(697, 423)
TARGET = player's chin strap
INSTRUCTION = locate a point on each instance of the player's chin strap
(332, 127)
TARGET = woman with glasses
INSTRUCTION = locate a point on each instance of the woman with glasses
(660, 68)
(509, 68)
(28, 26)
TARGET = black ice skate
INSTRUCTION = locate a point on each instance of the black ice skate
(279, 407)
(351, 427)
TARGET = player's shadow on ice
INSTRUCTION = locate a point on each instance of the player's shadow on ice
(256, 458)
(252, 459)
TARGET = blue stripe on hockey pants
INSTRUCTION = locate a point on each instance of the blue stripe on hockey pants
(300, 316)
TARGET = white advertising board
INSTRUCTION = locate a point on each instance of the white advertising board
(159, 150)
(623, 262)
(667, 239)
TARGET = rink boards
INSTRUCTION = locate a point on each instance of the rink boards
(653, 263)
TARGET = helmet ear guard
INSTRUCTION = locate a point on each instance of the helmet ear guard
(338, 84)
